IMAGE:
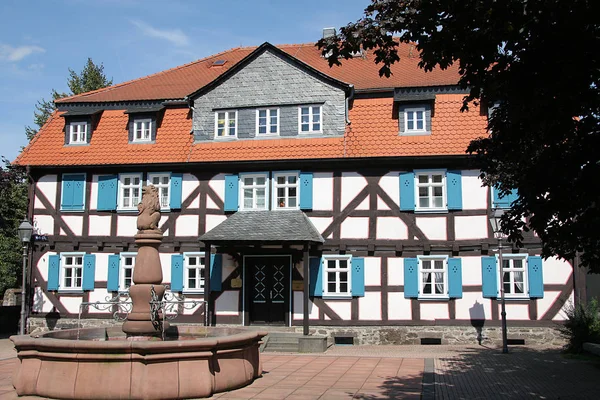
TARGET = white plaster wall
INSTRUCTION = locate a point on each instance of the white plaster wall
(190, 182)
(381, 205)
(471, 227)
(47, 185)
(214, 220)
(37, 203)
(71, 304)
(321, 223)
(561, 314)
(126, 225)
(369, 306)
(165, 263)
(544, 304)
(474, 196)
(391, 228)
(210, 204)
(352, 184)
(516, 311)
(99, 295)
(372, 271)
(430, 311)
(101, 272)
(41, 303)
(341, 308)
(473, 306)
(298, 312)
(228, 303)
(187, 225)
(471, 271)
(399, 308)
(217, 183)
(395, 271)
(390, 183)
(323, 191)
(355, 227)
(43, 224)
(75, 223)
(434, 228)
(94, 193)
(164, 217)
(228, 266)
(42, 266)
(99, 225)
(556, 271)
(364, 205)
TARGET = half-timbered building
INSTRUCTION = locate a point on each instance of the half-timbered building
(290, 192)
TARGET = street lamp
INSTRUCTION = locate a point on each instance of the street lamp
(24, 230)
(495, 220)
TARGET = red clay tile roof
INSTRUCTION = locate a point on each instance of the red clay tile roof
(373, 133)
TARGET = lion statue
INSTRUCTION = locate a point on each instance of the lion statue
(149, 210)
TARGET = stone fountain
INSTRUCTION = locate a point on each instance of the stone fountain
(135, 362)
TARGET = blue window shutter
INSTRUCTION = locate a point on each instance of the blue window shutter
(89, 272)
(176, 273)
(216, 272)
(536, 277)
(489, 277)
(411, 277)
(231, 193)
(316, 277)
(358, 276)
(107, 192)
(454, 190)
(78, 191)
(306, 190)
(67, 193)
(455, 278)
(513, 196)
(176, 184)
(407, 191)
(112, 281)
(53, 272)
(503, 201)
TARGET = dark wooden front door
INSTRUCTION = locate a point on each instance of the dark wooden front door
(269, 286)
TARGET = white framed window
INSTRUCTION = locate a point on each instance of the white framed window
(514, 280)
(126, 271)
(193, 278)
(337, 276)
(225, 124)
(77, 132)
(430, 188)
(142, 130)
(286, 190)
(414, 120)
(267, 121)
(130, 190)
(433, 276)
(254, 191)
(71, 271)
(162, 181)
(310, 119)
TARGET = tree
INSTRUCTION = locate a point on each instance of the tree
(90, 78)
(537, 63)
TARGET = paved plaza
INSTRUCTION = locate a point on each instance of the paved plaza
(404, 372)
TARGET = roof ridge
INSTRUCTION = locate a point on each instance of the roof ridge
(186, 65)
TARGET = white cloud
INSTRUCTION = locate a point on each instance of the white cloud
(175, 36)
(14, 54)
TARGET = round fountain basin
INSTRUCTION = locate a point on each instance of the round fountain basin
(103, 363)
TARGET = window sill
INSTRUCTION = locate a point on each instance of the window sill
(416, 133)
(142, 142)
(225, 138)
(437, 298)
(520, 298)
(337, 297)
(431, 211)
(73, 211)
(186, 291)
(127, 210)
(76, 144)
(70, 291)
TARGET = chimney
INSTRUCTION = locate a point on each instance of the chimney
(328, 32)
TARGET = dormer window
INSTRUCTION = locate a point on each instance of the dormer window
(414, 120)
(78, 132)
(142, 130)
(225, 124)
(267, 121)
(310, 119)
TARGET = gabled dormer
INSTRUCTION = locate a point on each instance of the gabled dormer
(80, 124)
(143, 122)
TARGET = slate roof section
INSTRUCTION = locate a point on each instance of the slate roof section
(264, 226)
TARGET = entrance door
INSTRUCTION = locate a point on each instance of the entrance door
(269, 288)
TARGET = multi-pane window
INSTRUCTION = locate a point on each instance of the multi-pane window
(285, 190)
(142, 129)
(162, 182)
(414, 120)
(225, 124)
(127, 265)
(267, 121)
(254, 190)
(72, 271)
(310, 120)
(430, 187)
(194, 272)
(129, 191)
(433, 274)
(514, 275)
(336, 276)
(77, 132)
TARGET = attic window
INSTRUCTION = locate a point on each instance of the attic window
(218, 63)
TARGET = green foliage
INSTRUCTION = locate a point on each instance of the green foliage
(538, 61)
(13, 206)
(582, 325)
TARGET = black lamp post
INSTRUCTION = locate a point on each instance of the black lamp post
(24, 230)
(495, 220)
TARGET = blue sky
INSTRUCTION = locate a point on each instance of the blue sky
(41, 40)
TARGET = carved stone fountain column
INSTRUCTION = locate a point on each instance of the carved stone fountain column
(147, 271)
